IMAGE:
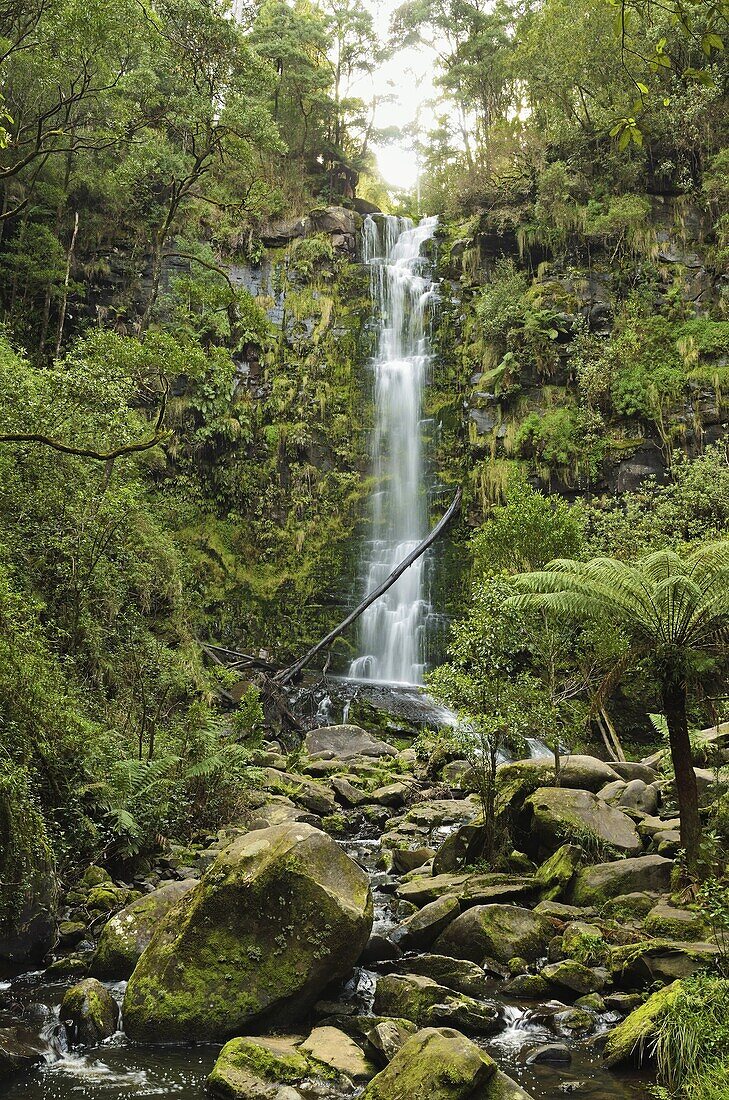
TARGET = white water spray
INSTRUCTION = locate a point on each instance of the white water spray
(392, 630)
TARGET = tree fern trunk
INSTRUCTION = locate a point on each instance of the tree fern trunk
(674, 704)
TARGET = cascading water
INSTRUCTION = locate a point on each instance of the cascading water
(392, 629)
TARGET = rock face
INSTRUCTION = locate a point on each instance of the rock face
(437, 1063)
(554, 814)
(345, 743)
(89, 1013)
(501, 932)
(126, 935)
(278, 915)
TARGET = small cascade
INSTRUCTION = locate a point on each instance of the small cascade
(392, 630)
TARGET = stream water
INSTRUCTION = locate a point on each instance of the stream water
(391, 633)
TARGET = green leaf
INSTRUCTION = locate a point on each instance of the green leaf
(642, 88)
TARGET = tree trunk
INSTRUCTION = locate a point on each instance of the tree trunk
(674, 705)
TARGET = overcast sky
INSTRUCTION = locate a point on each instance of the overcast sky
(408, 76)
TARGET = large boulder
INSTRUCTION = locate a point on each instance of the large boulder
(89, 1013)
(501, 932)
(125, 936)
(596, 885)
(437, 1063)
(339, 1052)
(553, 815)
(279, 914)
(518, 778)
(345, 743)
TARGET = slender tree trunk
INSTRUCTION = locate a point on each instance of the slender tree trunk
(674, 705)
(66, 282)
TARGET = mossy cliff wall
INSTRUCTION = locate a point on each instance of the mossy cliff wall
(581, 345)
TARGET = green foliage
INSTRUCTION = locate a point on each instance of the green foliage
(526, 532)
(691, 1040)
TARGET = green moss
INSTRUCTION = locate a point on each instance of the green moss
(629, 1039)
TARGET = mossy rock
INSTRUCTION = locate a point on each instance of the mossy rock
(125, 936)
(106, 898)
(598, 884)
(572, 977)
(434, 1064)
(629, 1042)
(422, 1000)
(557, 872)
(254, 1067)
(279, 914)
(496, 931)
(555, 814)
(89, 1013)
(641, 964)
(671, 923)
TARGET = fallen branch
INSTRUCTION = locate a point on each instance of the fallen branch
(286, 675)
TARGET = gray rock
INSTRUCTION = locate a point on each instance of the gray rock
(125, 936)
(556, 814)
(499, 931)
(422, 928)
(20, 1051)
(595, 885)
(345, 743)
(549, 1053)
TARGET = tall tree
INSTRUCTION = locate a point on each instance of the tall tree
(673, 613)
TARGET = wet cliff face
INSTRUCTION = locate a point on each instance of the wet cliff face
(584, 357)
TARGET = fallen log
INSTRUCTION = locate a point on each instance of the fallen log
(286, 675)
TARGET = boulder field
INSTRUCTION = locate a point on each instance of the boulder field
(249, 938)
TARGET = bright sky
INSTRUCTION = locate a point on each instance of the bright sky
(409, 78)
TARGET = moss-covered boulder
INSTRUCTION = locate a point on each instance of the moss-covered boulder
(629, 1041)
(639, 965)
(125, 936)
(556, 873)
(500, 932)
(596, 885)
(89, 1013)
(553, 815)
(254, 1068)
(421, 928)
(519, 778)
(422, 1000)
(435, 1064)
(279, 914)
(458, 974)
(569, 976)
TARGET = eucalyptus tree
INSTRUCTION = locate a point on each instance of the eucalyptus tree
(672, 613)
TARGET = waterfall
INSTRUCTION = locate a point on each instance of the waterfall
(392, 630)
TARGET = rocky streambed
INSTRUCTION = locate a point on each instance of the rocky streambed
(348, 939)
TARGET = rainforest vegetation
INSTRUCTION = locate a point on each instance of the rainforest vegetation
(185, 409)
